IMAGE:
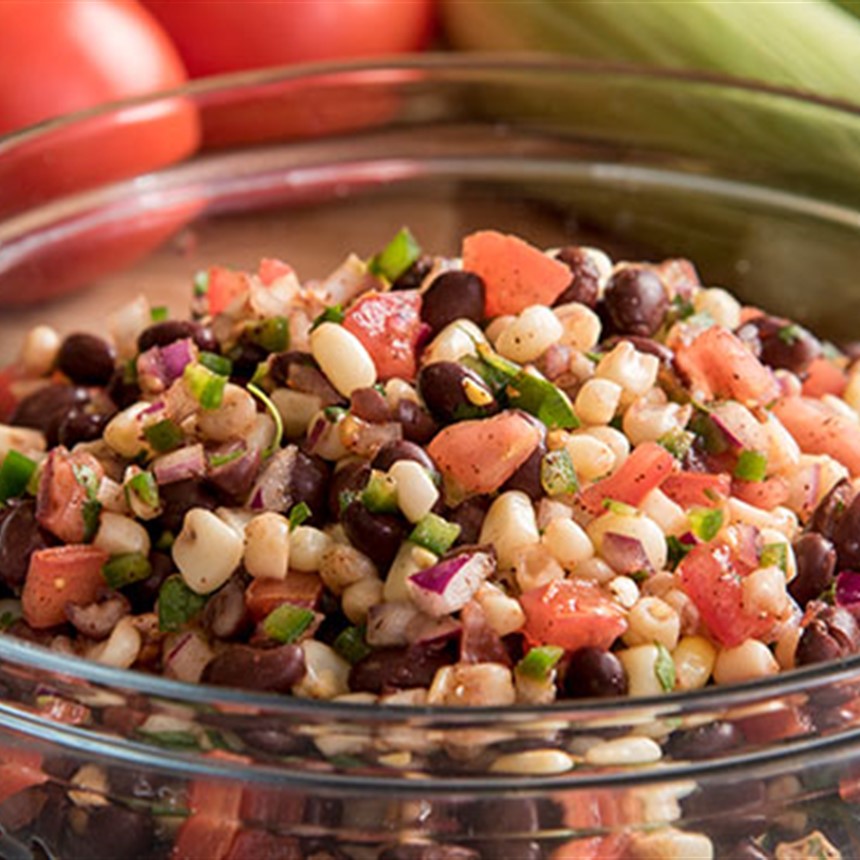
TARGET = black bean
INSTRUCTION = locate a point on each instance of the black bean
(167, 332)
(122, 390)
(81, 426)
(273, 669)
(281, 362)
(179, 497)
(87, 359)
(111, 831)
(585, 284)
(400, 449)
(309, 483)
(453, 296)
(469, 515)
(780, 343)
(275, 740)
(418, 425)
(846, 537)
(414, 276)
(736, 807)
(46, 408)
(20, 537)
(369, 404)
(225, 615)
(235, 477)
(387, 669)
(143, 593)
(349, 479)
(527, 477)
(831, 634)
(593, 672)
(246, 357)
(706, 741)
(635, 301)
(378, 536)
(830, 509)
(452, 392)
(816, 563)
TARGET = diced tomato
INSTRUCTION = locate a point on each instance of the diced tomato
(824, 377)
(765, 494)
(300, 588)
(19, 769)
(8, 401)
(679, 276)
(58, 576)
(592, 811)
(271, 270)
(225, 286)
(389, 326)
(819, 430)
(515, 274)
(64, 490)
(712, 578)
(697, 489)
(718, 364)
(593, 848)
(211, 828)
(479, 456)
(571, 613)
(648, 465)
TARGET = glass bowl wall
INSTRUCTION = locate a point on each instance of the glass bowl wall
(760, 188)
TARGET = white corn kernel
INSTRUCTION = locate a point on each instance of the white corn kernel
(637, 526)
(232, 419)
(504, 614)
(308, 545)
(779, 518)
(629, 750)
(342, 565)
(597, 401)
(121, 648)
(568, 542)
(668, 514)
(39, 351)
(267, 546)
(782, 451)
(497, 326)
(397, 389)
(124, 433)
(626, 592)
(342, 358)
(596, 569)
(416, 492)
(618, 443)
(207, 551)
(472, 684)
(640, 663)
(652, 620)
(510, 525)
(647, 421)
(580, 326)
(91, 787)
(453, 342)
(670, 844)
(533, 763)
(763, 592)
(721, 306)
(359, 597)
(635, 372)
(592, 459)
(118, 535)
(326, 672)
(296, 408)
(530, 334)
(535, 566)
(694, 658)
(745, 662)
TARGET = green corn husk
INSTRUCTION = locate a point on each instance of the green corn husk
(812, 46)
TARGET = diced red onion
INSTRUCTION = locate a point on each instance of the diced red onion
(747, 544)
(319, 434)
(272, 490)
(848, 588)
(307, 379)
(688, 539)
(730, 436)
(813, 486)
(179, 465)
(235, 477)
(187, 658)
(449, 585)
(423, 629)
(624, 553)
(388, 623)
(347, 281)
(176, 356)
(365, 439)
(556, 361)
(158, 406)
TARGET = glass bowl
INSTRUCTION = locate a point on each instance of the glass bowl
(760, 187)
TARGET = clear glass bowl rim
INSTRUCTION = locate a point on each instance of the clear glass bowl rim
(446, 68)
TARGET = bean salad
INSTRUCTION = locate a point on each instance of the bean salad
(516, 476)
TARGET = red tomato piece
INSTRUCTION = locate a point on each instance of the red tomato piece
(211, 828)
(765, 494)
(648, 465)
(271, 269)
(515, 273)
(479, 456)
(389, 326)
(824, 377)
(712, 579)
(572, 613)
(225, 286)
(223, 37)
(819, 430)
(697, 489)
(58, 576)
(718, 364)
(63, 493)
(300, 588)
(19, 769)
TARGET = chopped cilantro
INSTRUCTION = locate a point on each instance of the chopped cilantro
(664, 668)
(298, 514)
(332, 314)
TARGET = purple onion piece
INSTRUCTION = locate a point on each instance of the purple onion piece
(175, 357)
(730, 436)
(688, 539)
(180, 465)
(624, 553)
(848, 588)
(272, 490)
(449, 585)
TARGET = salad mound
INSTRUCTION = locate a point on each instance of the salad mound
(516, 476)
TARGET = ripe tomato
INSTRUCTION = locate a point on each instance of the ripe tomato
(231, 36)
(571, 613)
